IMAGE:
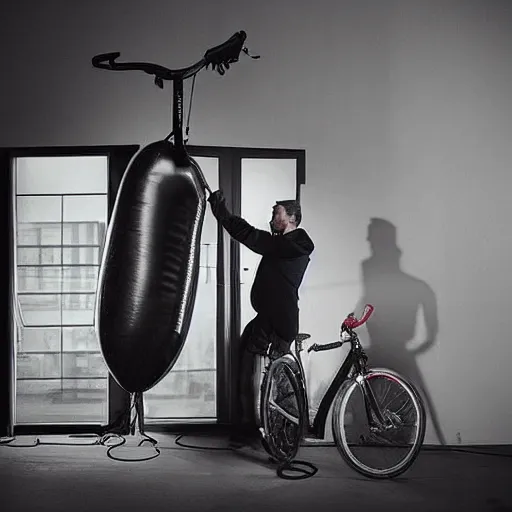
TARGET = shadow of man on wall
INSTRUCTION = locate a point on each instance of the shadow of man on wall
(397, 298)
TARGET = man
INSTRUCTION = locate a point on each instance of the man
(274, 295)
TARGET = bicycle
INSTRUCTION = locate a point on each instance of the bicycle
(283, 407)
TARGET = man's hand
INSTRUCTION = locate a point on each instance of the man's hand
(216, 197)
(217, 202)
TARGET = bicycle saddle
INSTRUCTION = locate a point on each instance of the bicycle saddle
(302, 336)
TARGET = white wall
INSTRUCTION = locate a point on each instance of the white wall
(404, 108)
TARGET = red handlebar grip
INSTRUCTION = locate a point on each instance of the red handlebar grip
(353, 322)
(368, 310)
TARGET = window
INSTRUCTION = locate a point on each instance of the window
(61, 217)
(189, 390)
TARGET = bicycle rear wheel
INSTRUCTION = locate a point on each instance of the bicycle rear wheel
(397, 442)
(282, 409)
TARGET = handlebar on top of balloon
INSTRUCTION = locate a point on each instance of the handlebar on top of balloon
(219, 57)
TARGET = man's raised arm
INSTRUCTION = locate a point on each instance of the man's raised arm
(259, 241)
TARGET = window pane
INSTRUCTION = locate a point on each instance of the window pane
(40, 309)
(61, 401)
(80, 339)
(39, 255)
(189, 389)
(83, 365)
(208, 257)
(37, 366)
(78, 309)
(186, 394)
(81, 255)
(39, 340)
(79, 279)
(45, 209)
(62, 175)
(39, 279)
(39, 234)
(82, 233)
(85, 208)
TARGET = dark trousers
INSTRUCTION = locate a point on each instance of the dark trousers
(257, 337)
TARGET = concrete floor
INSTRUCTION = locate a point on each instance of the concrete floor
(82, 478)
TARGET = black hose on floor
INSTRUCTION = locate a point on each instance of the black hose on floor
(98, 440)
(183, 445)
(282, 468)
(292, 466)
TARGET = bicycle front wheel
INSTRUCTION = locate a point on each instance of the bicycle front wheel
(282, 409)
(381, 449)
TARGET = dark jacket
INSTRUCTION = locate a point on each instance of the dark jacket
(274, 293)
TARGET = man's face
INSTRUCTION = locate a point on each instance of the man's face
(280, 219)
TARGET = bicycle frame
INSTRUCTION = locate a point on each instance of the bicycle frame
(354, 366)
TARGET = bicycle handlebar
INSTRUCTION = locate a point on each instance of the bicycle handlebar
(219, 57)
(327, 346)
(226, 53)
(351, 322)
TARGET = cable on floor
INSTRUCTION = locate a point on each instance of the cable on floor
(292, 466)
(282, 468)
(464, 450)
(213, 448)
(103, 440)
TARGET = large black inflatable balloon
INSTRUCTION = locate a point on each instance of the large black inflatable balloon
(150, 266)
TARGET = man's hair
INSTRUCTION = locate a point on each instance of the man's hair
(292, 207)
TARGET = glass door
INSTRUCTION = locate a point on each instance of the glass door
(263, 182)
(189, 390)
(60, 219)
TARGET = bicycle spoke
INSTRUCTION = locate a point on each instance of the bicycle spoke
(280, 410)
(406, 404)
(388, 388)
(394, 398)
